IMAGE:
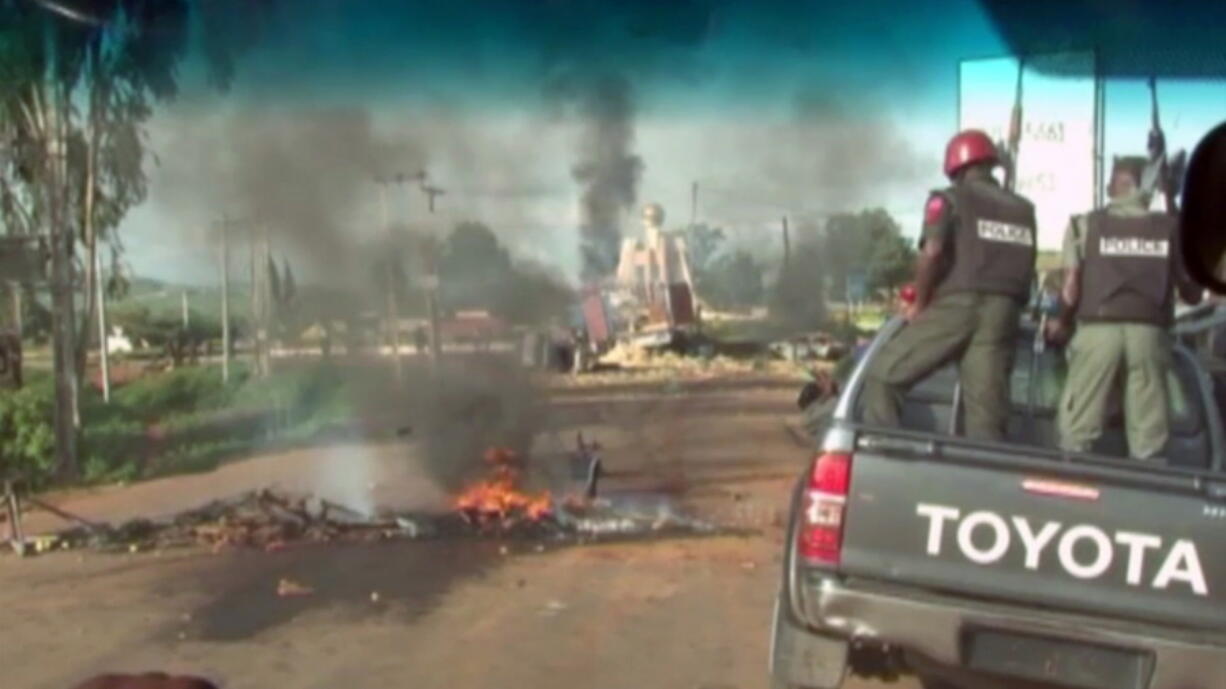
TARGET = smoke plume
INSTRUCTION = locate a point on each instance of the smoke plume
(307, 176)
(825, 155)
(466, 407)
(607, 170)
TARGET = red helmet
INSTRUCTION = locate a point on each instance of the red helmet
(967, 147)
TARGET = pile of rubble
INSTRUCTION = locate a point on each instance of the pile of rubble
(494, 507)
(264, 520)
(258, 519)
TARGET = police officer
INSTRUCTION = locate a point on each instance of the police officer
(973, 277)
(1122, 270)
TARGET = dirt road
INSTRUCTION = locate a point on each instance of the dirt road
(690, 613)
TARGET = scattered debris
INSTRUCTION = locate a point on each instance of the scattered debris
(288, 587)
(627, 514)
(494, 507)
(260, 519)
(44, 543)
(808, 347)
(414, 528)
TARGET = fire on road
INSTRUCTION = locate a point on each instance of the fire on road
(476, 612)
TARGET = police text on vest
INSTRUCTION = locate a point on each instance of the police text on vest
(1133, 246)
(1083, 551)
(995, 231)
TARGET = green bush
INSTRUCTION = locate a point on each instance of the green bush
(111, 449)
(201, 420)
(183, 390)
(27, 441)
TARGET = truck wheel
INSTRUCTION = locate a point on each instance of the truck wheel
(802, 660)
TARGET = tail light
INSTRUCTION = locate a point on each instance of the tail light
(820, 536)
(907, 294)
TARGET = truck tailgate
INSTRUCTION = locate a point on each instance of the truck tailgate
(1037, 533)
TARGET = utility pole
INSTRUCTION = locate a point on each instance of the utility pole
(431, 285)
(225, 299)
(259, 299)
(787, 244)
(186, 318)
(430, 193)
(432, 281)
(393, 310)
(255, 304)
(265, 348)
(103, 353)
(693, 204)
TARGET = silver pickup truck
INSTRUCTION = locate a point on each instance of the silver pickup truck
(970, 564)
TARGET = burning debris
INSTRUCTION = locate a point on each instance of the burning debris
(497, 506)
(498, 502)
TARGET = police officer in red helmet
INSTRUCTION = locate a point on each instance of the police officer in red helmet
(973, 278)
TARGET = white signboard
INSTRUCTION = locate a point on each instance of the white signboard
(1056, 168)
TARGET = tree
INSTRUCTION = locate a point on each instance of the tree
(869, 242)
(704, 243)
(535, 295)
(86, 77)
(798, 300)
(891, 263)
(284, 294)
(734, 281)
(477, 272)
(178, 343)
(473, 267)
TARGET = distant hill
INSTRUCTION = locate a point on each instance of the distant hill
(164, 299)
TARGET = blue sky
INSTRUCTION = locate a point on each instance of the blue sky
(774, 108)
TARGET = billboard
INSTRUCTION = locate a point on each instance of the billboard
(1057, 164)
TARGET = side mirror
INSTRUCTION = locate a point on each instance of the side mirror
(1202, 224)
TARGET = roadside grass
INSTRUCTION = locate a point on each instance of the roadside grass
(186, 420)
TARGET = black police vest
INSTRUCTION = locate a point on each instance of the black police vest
(993, 242)
(1127, 271)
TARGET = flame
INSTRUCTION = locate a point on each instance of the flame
(498, 498)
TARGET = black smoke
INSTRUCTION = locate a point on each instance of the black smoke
(607, 169)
